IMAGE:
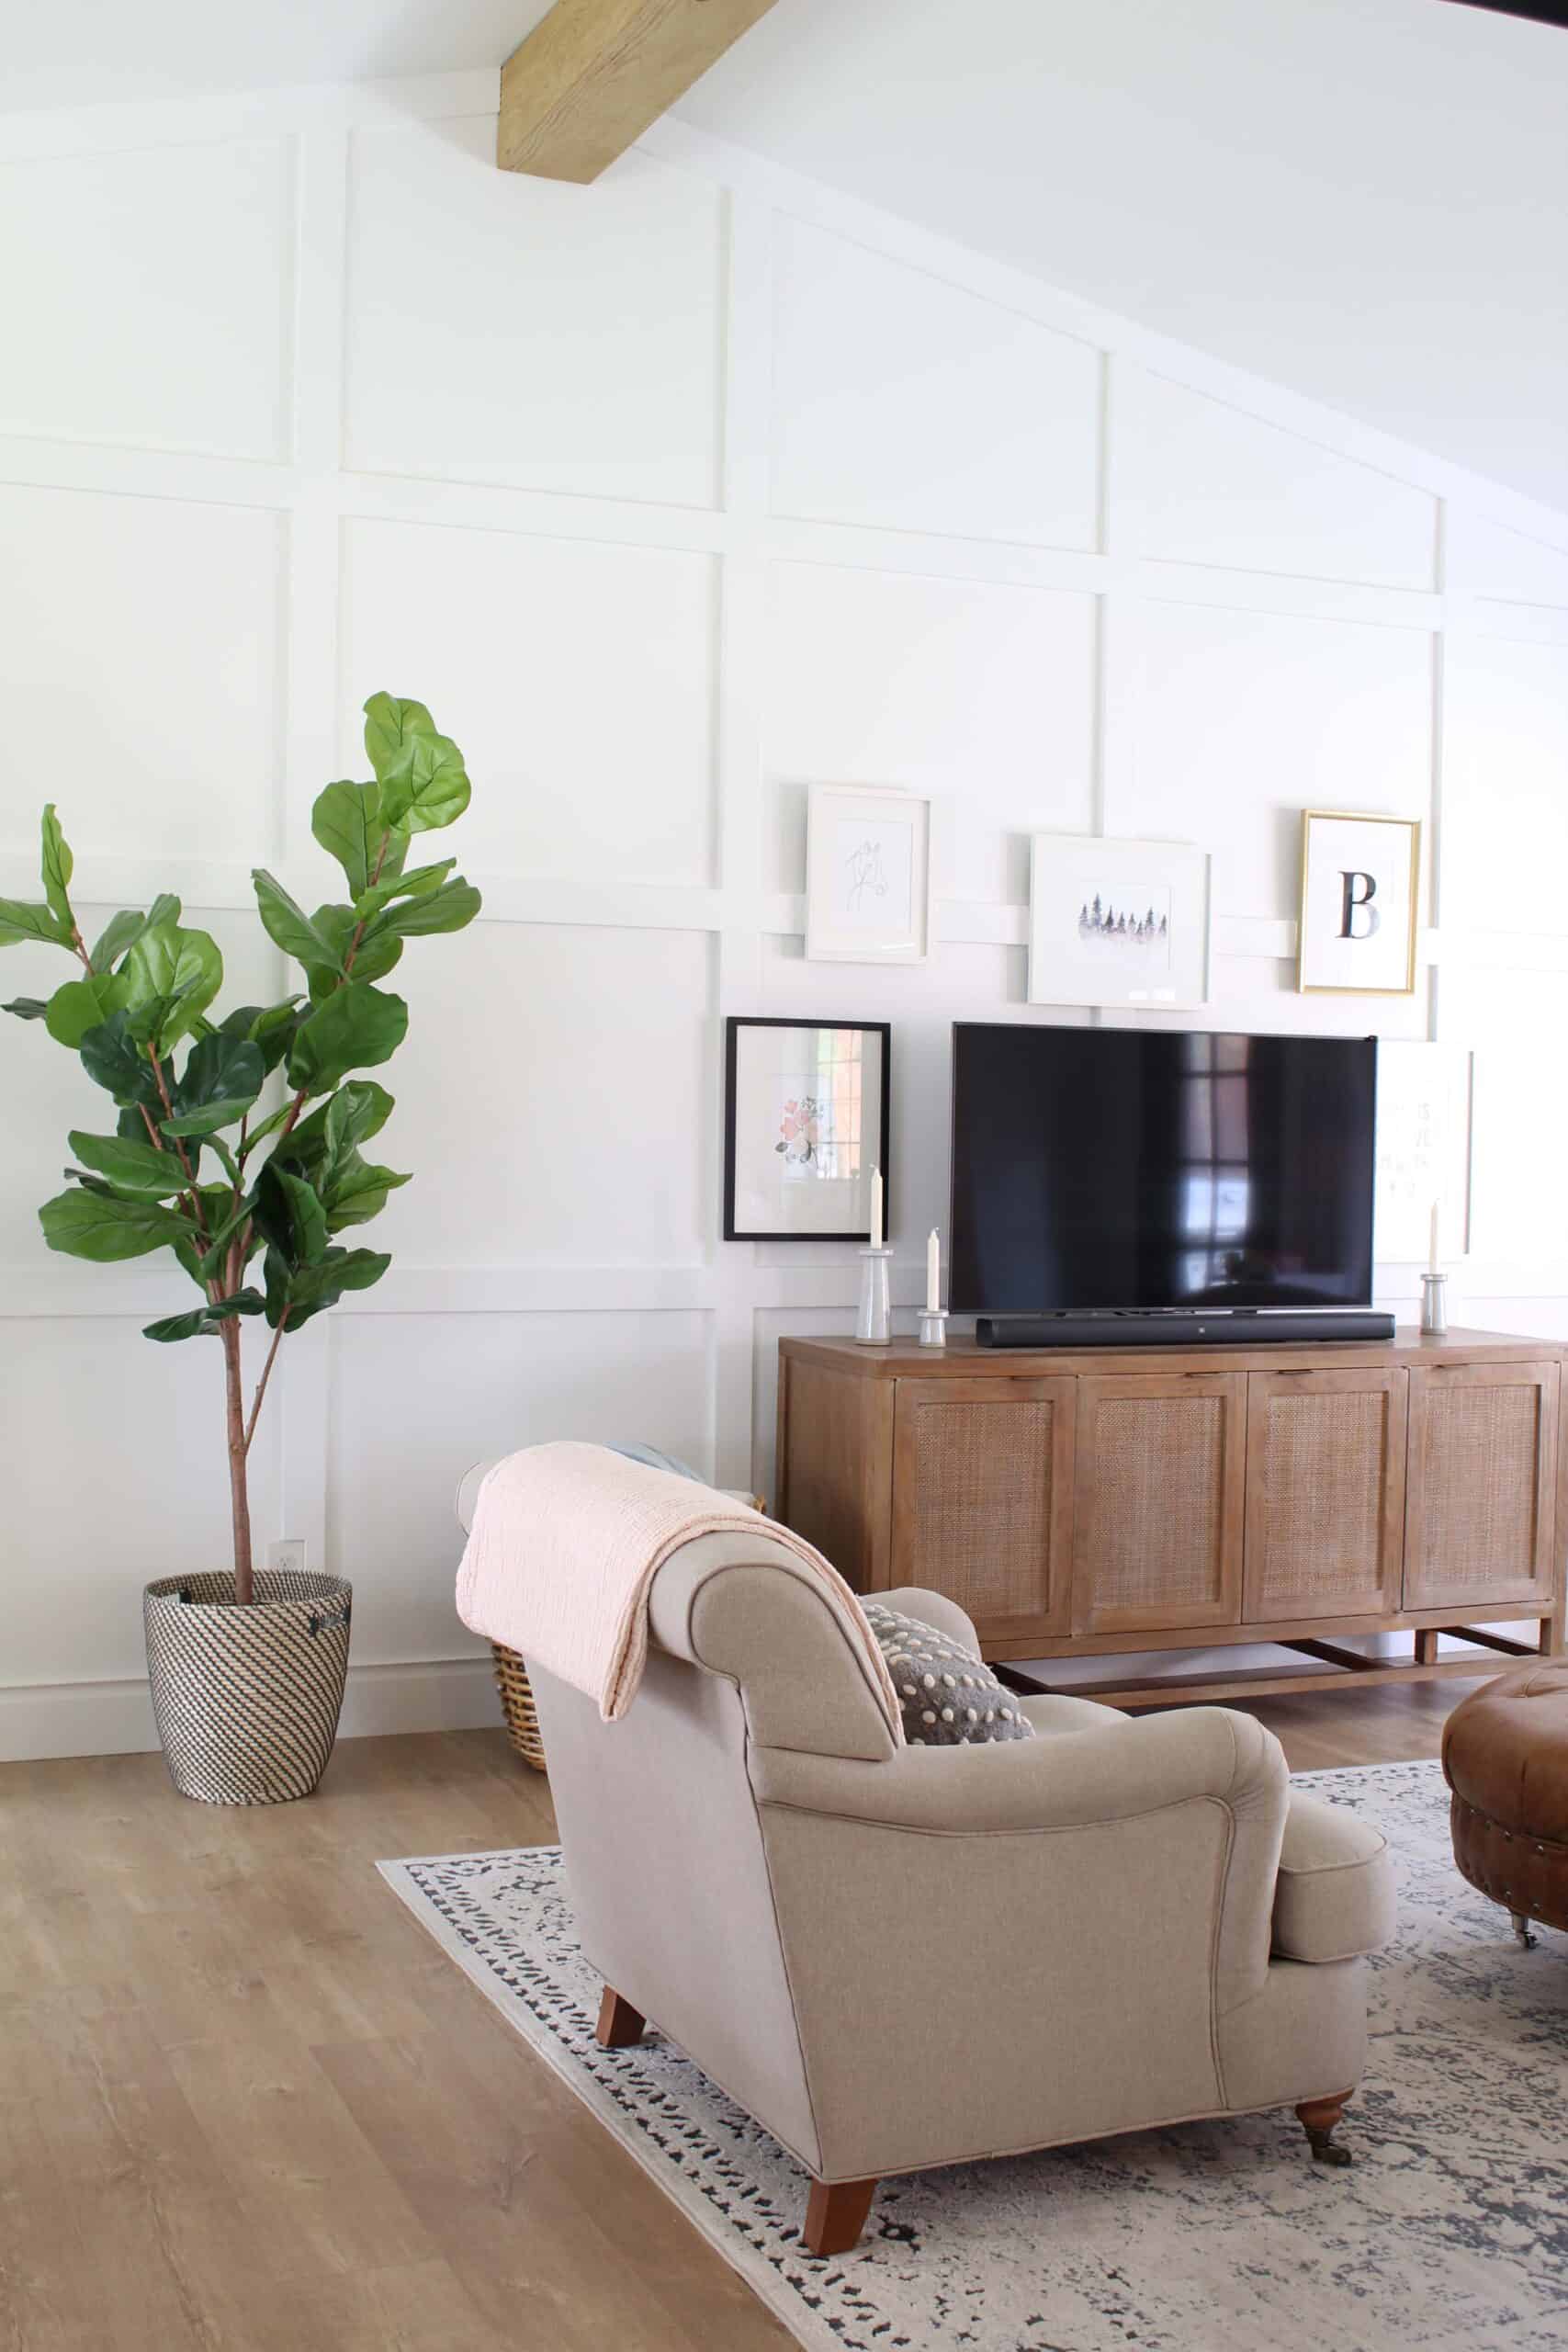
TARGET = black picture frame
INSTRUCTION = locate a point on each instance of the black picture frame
(734, 1025)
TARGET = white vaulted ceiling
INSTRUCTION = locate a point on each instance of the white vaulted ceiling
(1365, 200)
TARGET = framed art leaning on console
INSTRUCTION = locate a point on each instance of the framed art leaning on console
(806, 1123)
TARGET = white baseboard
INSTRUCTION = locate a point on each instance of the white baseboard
(115, 1718)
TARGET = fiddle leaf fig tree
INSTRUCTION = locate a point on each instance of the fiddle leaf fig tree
(238, 1139)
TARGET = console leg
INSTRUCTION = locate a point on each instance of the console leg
(1318, 2118)
(1527, 1941)
(835, 2214)
(619, 2024)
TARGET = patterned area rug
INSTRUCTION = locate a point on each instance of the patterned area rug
(1450, 2229)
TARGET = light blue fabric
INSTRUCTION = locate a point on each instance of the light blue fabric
(655, 1460)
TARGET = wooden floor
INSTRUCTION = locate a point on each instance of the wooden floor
(246, 2105)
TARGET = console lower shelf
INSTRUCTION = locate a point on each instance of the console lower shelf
(1335, 1670)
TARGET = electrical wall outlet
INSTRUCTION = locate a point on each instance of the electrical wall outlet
(287, 1552)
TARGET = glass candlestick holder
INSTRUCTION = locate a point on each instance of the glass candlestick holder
(873, 1323)
(1435, 1306)
(933, 1327)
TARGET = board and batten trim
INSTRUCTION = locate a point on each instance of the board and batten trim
(741, 1297)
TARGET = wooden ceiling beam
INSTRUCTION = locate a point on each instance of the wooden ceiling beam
(592, 75)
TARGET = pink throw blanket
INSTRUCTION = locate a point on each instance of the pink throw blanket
(565, 1541)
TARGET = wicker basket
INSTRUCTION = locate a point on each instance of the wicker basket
(517, 1705)
(247, 1699)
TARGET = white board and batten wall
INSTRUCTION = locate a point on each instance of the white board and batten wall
(670, 496)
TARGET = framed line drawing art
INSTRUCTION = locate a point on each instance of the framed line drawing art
(806, 1121)
(1118, 922)
(1360, 903)
(867, 876)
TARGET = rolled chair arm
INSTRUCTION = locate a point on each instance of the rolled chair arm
(1334, 1899)
(1095, 1784)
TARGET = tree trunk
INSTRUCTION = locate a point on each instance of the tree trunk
(239, 1489)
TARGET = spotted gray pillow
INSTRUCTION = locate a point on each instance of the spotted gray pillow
(948, 1695)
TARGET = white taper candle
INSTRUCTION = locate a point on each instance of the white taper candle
(1433, 1263)
(876, 1208)
(934, 1274)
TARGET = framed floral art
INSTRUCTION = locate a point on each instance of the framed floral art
(806, 1110)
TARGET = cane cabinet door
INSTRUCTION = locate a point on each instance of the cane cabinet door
(982, 1499)
(1480, 1522)
(1161, 1463)
(1324, 1494)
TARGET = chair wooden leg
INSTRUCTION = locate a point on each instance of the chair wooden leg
(835, 2214)
(1318, 2118)
(619, 2024)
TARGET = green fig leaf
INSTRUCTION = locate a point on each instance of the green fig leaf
(105, 1227)
(358, 1026)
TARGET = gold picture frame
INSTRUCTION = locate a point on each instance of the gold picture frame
(1411, 825)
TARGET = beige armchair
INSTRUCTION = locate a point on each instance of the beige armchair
(895, 1957)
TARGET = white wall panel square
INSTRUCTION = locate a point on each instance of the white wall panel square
(116, 1473)
(1485, 559)
(141, 654)
(417, 1398)
(514, 330)
(146, 296)
(1216, 486)
(982, 693)
(1505, 785)
(51, 1093)
(553, 1098)
(578, 677)
(1261, 992)
(902, 400)
(1249, 718)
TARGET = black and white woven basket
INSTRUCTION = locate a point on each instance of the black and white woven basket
(247, 1699)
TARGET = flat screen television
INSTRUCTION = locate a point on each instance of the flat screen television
(1145, 1169)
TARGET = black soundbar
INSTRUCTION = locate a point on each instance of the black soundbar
(1237, 1327)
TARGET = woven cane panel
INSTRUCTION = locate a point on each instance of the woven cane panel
(247, 1699)
(1478, 1469)
(982, 1517)
(1324, 1473)
(1158, 1473)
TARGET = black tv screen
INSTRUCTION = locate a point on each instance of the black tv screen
(1147, 1169)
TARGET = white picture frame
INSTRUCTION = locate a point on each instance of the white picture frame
(1360, 904)
(1118, 922)
(1425, 1144)
(868, 875)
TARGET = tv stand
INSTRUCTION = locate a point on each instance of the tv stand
(1103, 1501)
(1175, 1327)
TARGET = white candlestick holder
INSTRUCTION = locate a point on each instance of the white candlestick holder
(933, 1327)
(874, 1324)
(1435, 1306)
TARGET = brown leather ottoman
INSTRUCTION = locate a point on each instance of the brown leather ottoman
(1505, 1758)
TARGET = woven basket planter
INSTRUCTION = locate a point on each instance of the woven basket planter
(517, 1705)
(247, 1699)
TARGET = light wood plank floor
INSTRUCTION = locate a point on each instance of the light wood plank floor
(246, 2105)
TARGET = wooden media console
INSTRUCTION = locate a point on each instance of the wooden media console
(1089, 1503)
